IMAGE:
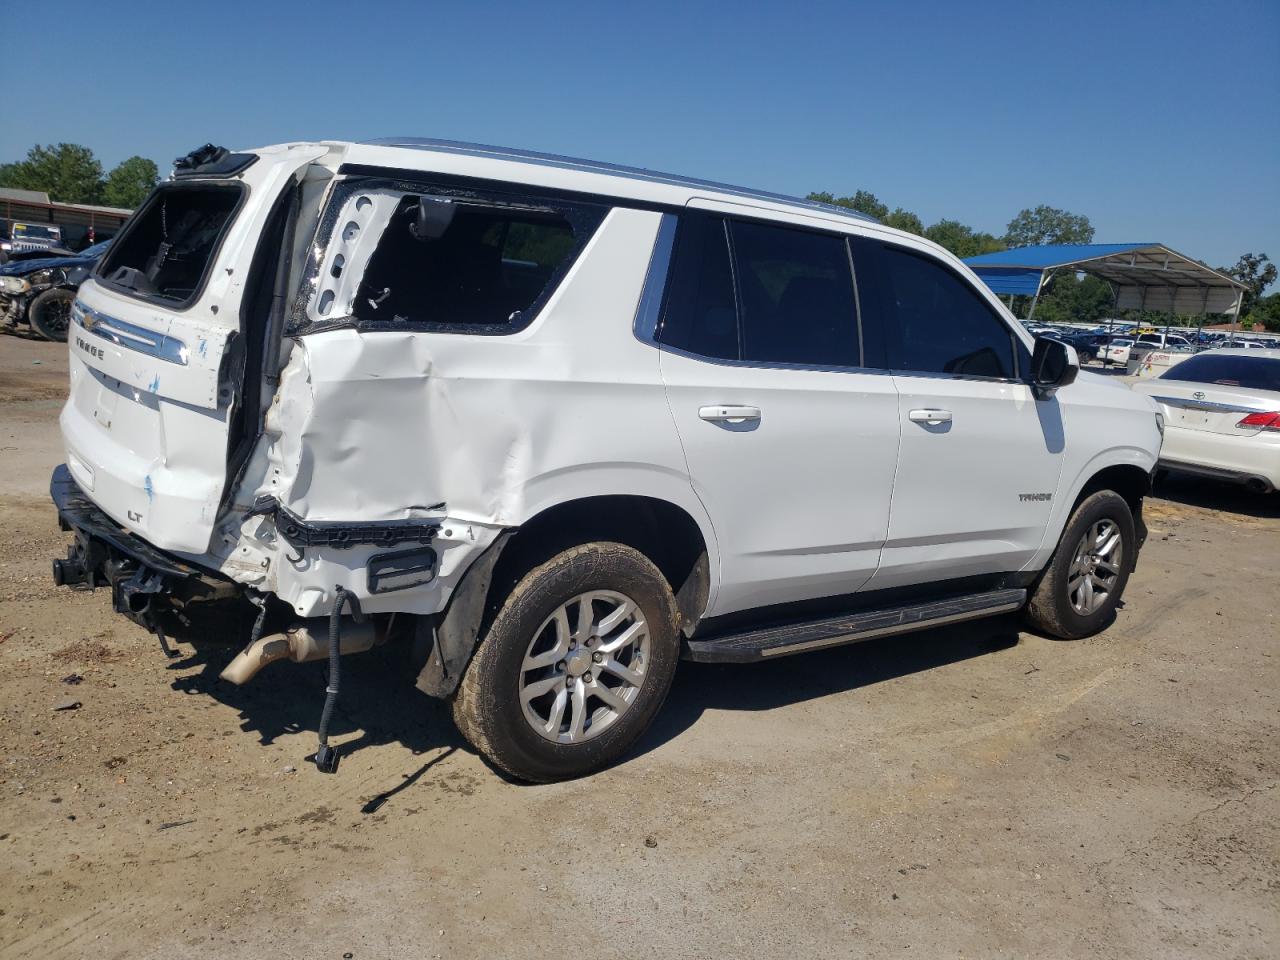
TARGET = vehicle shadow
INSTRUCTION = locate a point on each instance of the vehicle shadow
(378, 701)
(808, 676)
(1192, 491)
(380, 704)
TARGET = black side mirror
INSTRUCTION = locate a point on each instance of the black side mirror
(432, 218)
(1053, 365)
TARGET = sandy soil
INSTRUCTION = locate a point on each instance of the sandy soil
(969, 792)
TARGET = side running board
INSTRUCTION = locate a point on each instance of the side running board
(769, 642)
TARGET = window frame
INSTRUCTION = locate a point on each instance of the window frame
(130, 225)
(651, 315)
(871, 248)
(583, 216)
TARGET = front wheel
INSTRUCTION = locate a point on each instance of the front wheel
(1079, 591)
(50, 314)
(574, 666)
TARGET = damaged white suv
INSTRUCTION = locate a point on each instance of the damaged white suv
(555, 424)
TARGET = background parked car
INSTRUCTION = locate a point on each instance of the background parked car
(40, 291)
(1222, 416)
(1116, 352)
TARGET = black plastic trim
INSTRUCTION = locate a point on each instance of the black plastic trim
(340, 534)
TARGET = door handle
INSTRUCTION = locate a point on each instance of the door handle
(931, 416)
(729, 414)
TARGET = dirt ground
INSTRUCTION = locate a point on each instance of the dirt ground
(967, 792)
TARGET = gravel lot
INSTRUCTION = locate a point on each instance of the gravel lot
(967, 792)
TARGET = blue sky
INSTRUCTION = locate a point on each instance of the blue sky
(1160, 121)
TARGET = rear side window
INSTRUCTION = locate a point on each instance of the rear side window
(488, 267)
(797, 299)
(168, 248)
(1253, 373)
(936, 323)
(761, 293)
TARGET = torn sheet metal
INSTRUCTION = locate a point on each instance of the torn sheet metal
(372, 426)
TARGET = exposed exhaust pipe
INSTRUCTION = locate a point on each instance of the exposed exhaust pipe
(300, 645)
(1257, 485)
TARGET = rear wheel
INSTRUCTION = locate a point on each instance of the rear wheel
(1079, 591)
(50, 314)
(574, 666)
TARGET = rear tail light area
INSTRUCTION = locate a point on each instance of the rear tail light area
(1261, 421)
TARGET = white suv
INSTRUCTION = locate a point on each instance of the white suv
(557, 424)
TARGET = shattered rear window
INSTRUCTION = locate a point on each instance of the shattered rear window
(168, 248)
(490, 265)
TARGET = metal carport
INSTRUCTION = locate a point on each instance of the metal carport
(1143, 276)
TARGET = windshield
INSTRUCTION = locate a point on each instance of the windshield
(1254, 373)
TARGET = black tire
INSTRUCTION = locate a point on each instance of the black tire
(487, 707)
(50, 314)
(1050, 609)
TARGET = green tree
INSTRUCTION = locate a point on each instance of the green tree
(962, 240)
(1256, 272)
(129, 183)
(1266, 311)
(863, 201)
(1045, 225)
(1068, 298)
(904, 220)
(68, 172)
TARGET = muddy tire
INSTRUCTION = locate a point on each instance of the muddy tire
(574, 666)
(1079, 591)
(50, 314)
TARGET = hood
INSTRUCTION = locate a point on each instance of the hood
(23, 267)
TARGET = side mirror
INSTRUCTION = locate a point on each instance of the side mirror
(1054, 364)
(432, 218)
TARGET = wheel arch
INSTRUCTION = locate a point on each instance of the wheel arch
(663, 531)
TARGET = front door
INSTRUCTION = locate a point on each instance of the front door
(980, 457)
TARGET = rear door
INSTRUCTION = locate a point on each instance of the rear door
(156, 347)
(789, 439)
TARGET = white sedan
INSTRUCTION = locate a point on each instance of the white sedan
(1222, 416)
(1117, 351)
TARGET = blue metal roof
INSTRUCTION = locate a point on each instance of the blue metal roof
(1057, 255)
(1144, 276)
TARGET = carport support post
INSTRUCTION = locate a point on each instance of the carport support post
(1032, 312)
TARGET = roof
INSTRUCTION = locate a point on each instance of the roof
(1145, 276)
(617, 172)
(23, 196)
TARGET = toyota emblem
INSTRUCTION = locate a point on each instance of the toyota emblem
(1198, 395)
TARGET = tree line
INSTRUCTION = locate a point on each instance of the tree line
(70, 173)
(1067, 298)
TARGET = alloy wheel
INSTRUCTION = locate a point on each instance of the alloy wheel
(584, 667)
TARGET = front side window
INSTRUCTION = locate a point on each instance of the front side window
(797, 297)
(936, 323)
(167, 250)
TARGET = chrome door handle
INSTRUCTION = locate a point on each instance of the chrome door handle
(729, 414)
(930, 416)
